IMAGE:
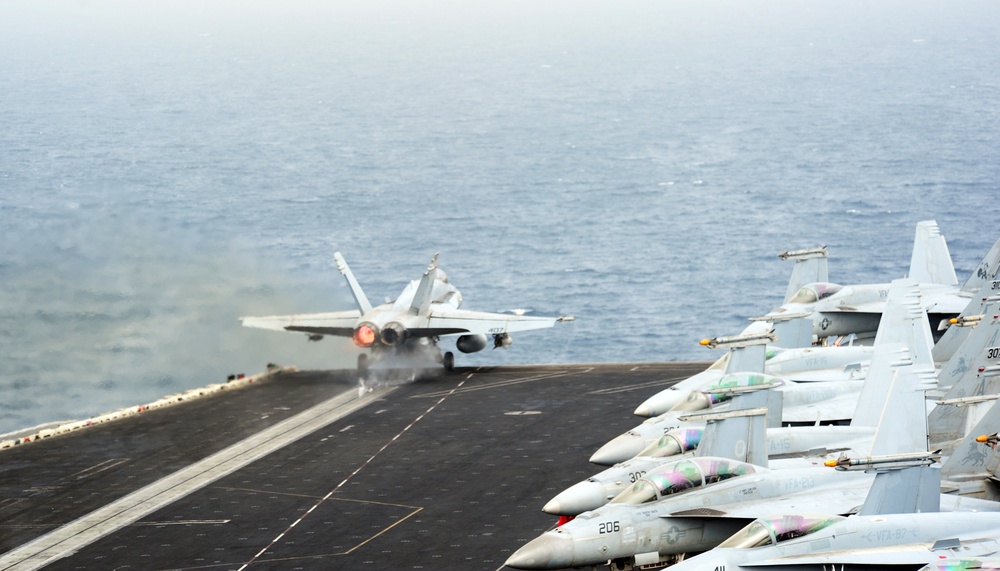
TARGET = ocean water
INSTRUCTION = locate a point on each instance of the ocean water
(168, 167)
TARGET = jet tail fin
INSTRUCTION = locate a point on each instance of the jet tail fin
(904, 325)
(749, 359)
(974, 459)
(794, 333)
(986, 271)
(810, 267)
(930, 262)
(916, 489)
(359, 295)
(905, 482)
(957, 333)
(900, 431)
(739, 433)
(422, 297)
(971, 372)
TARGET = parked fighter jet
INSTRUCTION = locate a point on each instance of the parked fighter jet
(803, 403)
(809, 364)
(969, 383)
(830, 309)
(793, 446)
(666, 516)
(836, 310)
(898, 526)
(427, 309)
(818, 543)
(787, 446)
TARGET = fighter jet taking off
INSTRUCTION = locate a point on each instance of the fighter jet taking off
(427, 309)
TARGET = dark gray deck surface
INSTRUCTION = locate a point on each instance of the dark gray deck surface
(447, 472)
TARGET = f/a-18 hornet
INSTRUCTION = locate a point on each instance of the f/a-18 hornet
(427, 309)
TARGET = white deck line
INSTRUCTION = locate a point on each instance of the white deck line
(77, 534)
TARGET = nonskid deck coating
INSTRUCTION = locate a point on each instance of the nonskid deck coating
(448, 471)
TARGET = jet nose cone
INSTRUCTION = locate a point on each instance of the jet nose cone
(661, 402)
(576, 499)
(619, 449)
(551, 550)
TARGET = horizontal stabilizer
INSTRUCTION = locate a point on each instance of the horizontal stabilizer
(337, 323)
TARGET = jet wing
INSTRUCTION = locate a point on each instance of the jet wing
(841, 407)
(464, 322)
(937, 302)
(337, 323)
(946, 303)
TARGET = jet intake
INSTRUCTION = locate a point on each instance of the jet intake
(394, 334)
(471, 343)
(365, 335)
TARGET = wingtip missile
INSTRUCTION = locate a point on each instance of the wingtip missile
(804, 254)
(886, 462)
(989, 439)
(736, 341)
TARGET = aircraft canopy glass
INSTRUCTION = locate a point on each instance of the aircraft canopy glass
(674, 442)
(811, 293)
(641, 492)
(961, 565)
(679, 476)
(773, 530)
(737, 380)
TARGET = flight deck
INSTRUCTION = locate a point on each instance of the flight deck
(305, 471)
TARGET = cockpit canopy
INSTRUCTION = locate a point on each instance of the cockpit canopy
(675, 441)
(741, 380)
(774, 530)
(811, 293)
(962, 565)
(737, 380)
(679, 476)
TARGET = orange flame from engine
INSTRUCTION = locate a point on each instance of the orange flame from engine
(364, 336)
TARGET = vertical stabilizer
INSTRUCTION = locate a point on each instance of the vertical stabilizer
(810, 267)
(905, 482)
(972, 459)
(905, 321)
(878, 382)
(793, 333)
(422, 297)
(930, 262)
(900, 431)
(739, 433)
(958, 332)
(971, 373)
(915, 489)
(903, 335)
(775, 406)
(747, 359)
(986, 271)
(359, 295)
